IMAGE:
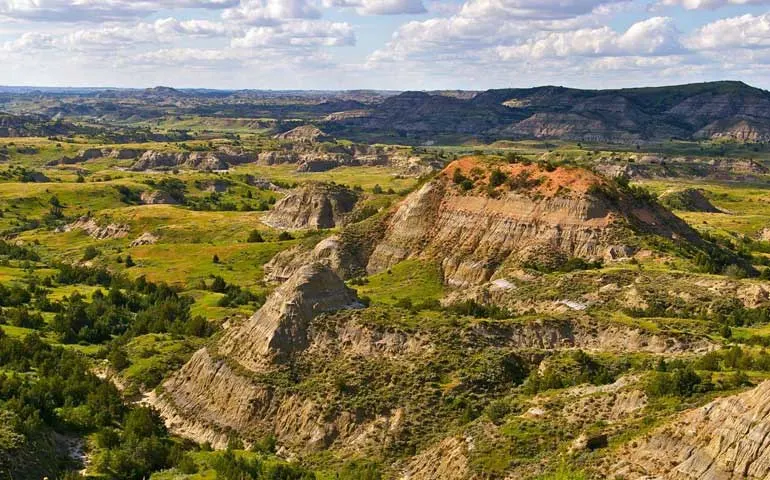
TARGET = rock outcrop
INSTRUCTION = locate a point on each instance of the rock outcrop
(314, 205)
(447, 460)
(725, 439)
(146, 238)
(475, 230)
(93, 229)
(330, 251)
(220, 159)
(279, 328)
(157, 197)
(96, 153)
(217, 392)
(304, 133)
(314, 157)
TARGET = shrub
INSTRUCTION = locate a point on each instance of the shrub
(90, 253)
(497, 178)
(255, 237)
(458, 176)
(285, 236)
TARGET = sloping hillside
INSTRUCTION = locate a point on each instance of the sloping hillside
(697, 111)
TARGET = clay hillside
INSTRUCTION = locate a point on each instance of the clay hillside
(482, 217)
(479, 217)
(314, 205)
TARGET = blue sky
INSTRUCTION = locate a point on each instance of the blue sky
(383, 44)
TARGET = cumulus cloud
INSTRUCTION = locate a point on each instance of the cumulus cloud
(651, 37)
(98, 10)
(116, 36)
(29, 42)
(532, 9)
(187, 57)
(380, 7)
(709, 4)
(483, 25)
(301, 33)
(746, 31)
(268, 12)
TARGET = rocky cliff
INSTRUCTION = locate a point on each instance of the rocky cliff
(318, 372)
(95, 230)
(475, 228)
(725, 439)
(314, 205)
(217, 392)
(220, 159)
(279, 328)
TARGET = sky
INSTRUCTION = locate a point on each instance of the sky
(382, 44)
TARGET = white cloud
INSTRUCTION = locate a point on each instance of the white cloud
(380, 7)
(302, 33)
(29, 42)
(97, 10)
(709, 4)
(268, 12)
(188, 57)
(532, 9)
(116, 36)
(651, 37)
(483, 25)
(747, 31)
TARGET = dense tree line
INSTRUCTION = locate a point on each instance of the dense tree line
(45, 388)
(123, 307)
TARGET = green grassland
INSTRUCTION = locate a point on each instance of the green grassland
(744, 206)
(365, 177)
(415, 280)
(207, 239)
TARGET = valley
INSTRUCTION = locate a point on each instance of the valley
(535, 283)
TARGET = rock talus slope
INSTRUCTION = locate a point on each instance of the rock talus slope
(279, 328)
(215, 392)
(728, 438)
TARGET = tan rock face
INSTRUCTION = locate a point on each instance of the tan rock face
(216, 394)
(99, 232)
(473, 233)
(306, 133)
(329, 251)
(446, 460)
(310, 156)
(215, 160)
(157, 198)
(313, 206)
(146, 238)
(726, 439)
(279, 328)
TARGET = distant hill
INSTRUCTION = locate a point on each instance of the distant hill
(31, 126)
(715, 110)
(692, 112)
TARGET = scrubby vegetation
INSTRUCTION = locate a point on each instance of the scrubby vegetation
(557, 348)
